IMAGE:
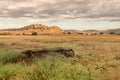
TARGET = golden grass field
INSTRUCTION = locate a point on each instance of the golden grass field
(95, 52)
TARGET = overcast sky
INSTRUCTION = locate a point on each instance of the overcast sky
(68, 14)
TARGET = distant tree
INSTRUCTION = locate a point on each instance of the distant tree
(111, 33)
(34, 33)
(95, 34)
(69, 32)
(23, 34)
(101, 33)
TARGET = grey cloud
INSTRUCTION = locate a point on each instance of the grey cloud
(64, 9)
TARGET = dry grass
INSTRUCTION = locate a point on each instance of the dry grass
(97, 52)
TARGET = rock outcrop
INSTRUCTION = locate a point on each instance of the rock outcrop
(42, 28)
(34, 27)
(56, 51)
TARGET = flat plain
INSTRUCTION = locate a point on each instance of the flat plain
(97, 57)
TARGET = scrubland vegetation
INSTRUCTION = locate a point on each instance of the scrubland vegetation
(97, 57)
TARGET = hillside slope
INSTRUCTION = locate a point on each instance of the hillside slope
(114, 31)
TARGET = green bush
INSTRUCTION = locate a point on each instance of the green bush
(9, 71)
(8, 56)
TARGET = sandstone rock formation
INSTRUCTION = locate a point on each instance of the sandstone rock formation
(43, 29)
(35, 26)
(29, 29)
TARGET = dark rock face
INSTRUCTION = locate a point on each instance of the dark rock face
(58, 50)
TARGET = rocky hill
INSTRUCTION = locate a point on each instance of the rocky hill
(34, 26)
(43, 28)
(38, 28)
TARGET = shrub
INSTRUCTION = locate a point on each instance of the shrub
(23, 34)
(34, 33)
(8, 56)
(9, 71)
(118, 34)
(101, 33)
(64, 33)
(95, 34)
(111, 33)
(69, 32)
(2, 43)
